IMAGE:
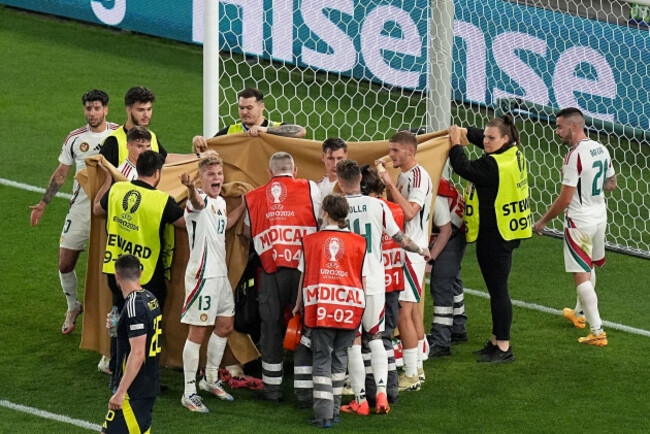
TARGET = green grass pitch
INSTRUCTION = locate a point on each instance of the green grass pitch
(556, 385)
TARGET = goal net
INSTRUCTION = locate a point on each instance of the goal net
(363, 69)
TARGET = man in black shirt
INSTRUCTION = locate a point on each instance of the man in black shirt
(137, 218)
(139, 341)
(149, 167)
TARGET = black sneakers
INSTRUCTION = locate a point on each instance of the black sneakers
(488, 348)
(498, 356)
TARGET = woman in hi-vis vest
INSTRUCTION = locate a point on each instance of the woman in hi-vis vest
(497, 217)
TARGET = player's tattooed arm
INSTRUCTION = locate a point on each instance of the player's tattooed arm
(287, 130)
(56, 181)
(610, 183)
(406, 243)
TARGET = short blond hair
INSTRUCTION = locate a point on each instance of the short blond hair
(210, 160)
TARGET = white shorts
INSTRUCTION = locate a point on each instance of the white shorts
(76, 228)
(584, 247)
(372, 321)
(206, 299)
(413, 281)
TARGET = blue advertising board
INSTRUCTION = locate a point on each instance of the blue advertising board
(500, 48)
(552, 59)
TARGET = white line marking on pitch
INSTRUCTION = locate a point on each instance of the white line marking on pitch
(28, 187)
(550, 310)
(53, 416)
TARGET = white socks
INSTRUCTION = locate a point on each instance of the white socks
(410, 357)
(216, 346)
(589, 301)
(379, 363)
(423, 353)
(592, 278)
(579, 309)
(69, 285)
(357, 373)
(190, 366)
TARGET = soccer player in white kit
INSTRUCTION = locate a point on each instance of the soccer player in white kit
(80, 144)
(209, 305)
(414, 193)
(370, 217)
(334, 150)
(587, 173)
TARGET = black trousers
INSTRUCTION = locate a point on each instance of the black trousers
(277, 291)
(494, 256)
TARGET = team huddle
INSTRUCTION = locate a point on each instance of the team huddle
(347, 253)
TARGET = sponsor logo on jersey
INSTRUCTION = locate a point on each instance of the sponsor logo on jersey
(84, 147)
(131, 201)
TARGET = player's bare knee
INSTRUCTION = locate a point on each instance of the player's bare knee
(196, 334)
(223, 327)
(66, 266)
(67, 260)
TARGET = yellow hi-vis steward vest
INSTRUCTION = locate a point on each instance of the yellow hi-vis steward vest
(511, 205)
(132, 226)
(239, 128)
(120, 135)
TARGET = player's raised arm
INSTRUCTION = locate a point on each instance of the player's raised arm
(192, 193)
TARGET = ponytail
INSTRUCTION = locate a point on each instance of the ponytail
(507, 127)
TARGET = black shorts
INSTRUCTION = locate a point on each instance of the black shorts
(135, 417)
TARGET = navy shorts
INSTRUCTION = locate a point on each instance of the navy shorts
(135, 417)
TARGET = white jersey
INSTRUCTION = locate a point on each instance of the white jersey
(79, 145)
(325, 186)
(415, 185)
(587, 166)
(206, 232)
(441, 213)
(370, 218)
(128, 170)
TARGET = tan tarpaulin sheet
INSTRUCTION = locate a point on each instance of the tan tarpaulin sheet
(245, 163)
